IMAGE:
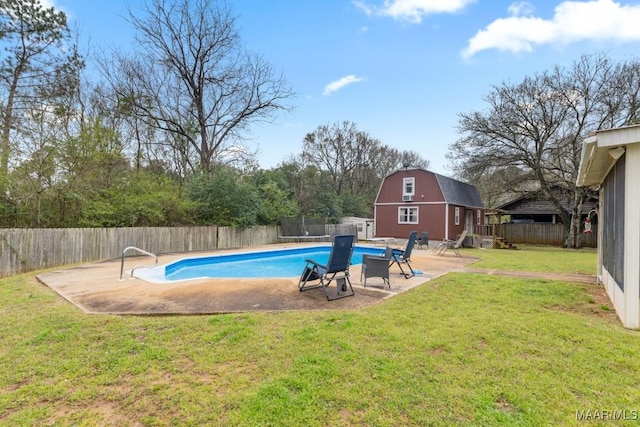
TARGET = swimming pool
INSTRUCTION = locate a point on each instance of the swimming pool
(274, 263)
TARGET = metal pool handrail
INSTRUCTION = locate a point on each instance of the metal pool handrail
(124, 252)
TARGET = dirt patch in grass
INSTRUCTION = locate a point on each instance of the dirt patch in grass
(593, 302)
(599, 304)
(503, 404)
(108, 414)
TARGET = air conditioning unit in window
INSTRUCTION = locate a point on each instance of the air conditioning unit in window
(407, 198)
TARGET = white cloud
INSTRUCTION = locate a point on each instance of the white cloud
(521, 8)
(340, 83)
(364, 7)
(412, 10)
(572, 21)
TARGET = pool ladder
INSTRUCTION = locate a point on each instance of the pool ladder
(131, 248)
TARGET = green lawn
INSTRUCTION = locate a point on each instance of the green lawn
(466, 349)
(538, 259)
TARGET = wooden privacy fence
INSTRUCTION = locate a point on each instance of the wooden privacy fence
(28, 249)
(544, 234)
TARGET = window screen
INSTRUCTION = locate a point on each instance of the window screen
(613, 222)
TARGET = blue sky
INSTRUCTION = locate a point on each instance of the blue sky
(402, 70)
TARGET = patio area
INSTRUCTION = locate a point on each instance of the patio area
(95, 288)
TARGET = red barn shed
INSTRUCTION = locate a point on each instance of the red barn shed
(413, 199)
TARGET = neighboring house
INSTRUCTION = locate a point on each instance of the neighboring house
(611, 164)
(419, 200)
(534, 207)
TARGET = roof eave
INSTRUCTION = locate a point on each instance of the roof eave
(601, 150)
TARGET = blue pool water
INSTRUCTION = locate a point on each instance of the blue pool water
(276, 263)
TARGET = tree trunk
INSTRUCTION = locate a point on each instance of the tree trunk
(7, 124)
(574, 236)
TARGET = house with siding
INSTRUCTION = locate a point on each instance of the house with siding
(610, 164)
(413, 199)
(535, 207)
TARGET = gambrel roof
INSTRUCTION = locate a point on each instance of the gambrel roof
(439, 188)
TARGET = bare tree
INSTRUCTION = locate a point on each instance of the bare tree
(411, 158)
(354, 161)
(341, 150)
(538, 125)
(35, 174)
(192, 79)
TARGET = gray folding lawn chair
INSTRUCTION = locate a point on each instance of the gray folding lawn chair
(452, 244)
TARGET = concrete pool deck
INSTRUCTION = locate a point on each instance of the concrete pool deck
(95, 288)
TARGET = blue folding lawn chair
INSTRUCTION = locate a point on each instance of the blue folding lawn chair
(316, 275)
(403, 256)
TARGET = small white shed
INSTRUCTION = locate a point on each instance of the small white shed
(365, 226)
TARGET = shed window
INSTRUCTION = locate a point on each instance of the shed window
(457, 216)
(479, 217)
(408, 186)
(407, 215)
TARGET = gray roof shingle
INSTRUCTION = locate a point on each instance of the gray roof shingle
(458, 192)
